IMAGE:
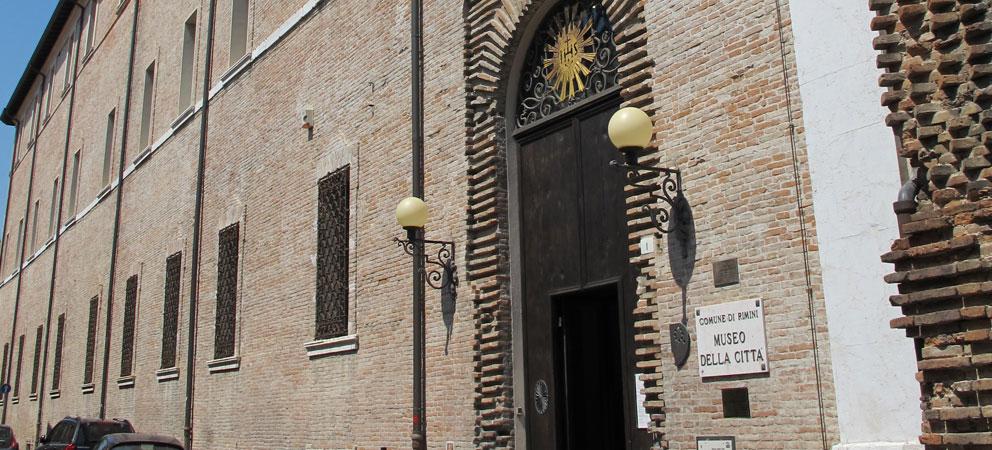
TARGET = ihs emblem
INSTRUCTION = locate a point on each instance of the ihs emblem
(569, 56)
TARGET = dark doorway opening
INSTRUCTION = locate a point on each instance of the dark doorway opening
(589, 360)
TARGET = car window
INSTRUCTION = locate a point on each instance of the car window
(145, 447)
(5, 435)
(96, 431)
(62, 433)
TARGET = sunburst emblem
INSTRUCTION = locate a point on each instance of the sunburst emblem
(567, 64)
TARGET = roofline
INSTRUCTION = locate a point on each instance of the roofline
(48, 39)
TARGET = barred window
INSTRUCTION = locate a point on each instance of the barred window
(227, 292)
(20, 360)
(170, 313)
(57, 363)
(6, 353)
(91, 341)
(127, 337)
(37, 359)
(332, 254)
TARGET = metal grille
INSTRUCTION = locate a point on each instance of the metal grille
(91, 341)
(227, 292)
(20, 360)
(573, 56)
(6, 353)
(170, 313)
(37, 359)
(127, 337)
(332, 254)
(57, 363)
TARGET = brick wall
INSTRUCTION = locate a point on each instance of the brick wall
(934, 55)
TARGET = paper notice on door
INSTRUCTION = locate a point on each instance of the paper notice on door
(643, 419)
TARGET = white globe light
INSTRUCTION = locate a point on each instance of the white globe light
(630, 127)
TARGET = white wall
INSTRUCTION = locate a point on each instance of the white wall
(855, 176)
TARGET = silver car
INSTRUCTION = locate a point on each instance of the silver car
(138, 441)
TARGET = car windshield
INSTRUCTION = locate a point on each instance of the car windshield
(145, 447)
(96, 431)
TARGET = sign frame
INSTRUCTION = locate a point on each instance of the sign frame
(731, 339)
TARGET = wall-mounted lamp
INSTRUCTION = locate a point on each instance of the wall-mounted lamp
(411, 214)
(630, 130)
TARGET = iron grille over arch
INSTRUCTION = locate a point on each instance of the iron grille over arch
(572, 57)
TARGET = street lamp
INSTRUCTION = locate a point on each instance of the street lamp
(411, 214)
(630, 130)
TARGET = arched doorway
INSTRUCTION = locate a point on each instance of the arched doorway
(575, 284)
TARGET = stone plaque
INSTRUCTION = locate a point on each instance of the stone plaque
(731, 339)
(716, 443)
(726, 273)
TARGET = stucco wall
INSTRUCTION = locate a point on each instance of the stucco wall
(855, 179)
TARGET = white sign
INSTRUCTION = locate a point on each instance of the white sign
(731, 339)
(715, 443)
(643, 418)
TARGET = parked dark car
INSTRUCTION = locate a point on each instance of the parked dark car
(7, 440)
(74, 433)
(137, 441)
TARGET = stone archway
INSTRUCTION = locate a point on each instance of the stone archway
(494, 33)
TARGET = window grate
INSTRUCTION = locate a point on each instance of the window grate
(227, 292)
(332, 254)
(127, 337)
(170, 313)
(91, 341)
(6, 353)
(20, 360)
(57, 363)
(37, 359)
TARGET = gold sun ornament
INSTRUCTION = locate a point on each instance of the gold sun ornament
(569, 55)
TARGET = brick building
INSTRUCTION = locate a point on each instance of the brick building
(181, 251)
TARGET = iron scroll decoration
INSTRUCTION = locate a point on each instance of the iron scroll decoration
(572, 57)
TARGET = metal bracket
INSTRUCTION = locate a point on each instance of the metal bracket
(442, 273)
(665, 190)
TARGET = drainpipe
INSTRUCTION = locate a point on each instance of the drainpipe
(23, 237)
(197, 231)
(58, 223)
(126, 115)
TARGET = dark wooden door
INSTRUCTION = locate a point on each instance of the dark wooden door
(573, 235)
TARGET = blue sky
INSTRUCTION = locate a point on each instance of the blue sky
(21, 24)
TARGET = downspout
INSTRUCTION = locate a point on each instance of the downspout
(58, 223)
(23, 238)
(126, 115)
(197, 231)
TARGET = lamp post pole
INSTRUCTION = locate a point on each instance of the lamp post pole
(419, 431)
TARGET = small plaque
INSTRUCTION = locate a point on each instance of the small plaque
(647, 245)
(726, 273)
(716, 443)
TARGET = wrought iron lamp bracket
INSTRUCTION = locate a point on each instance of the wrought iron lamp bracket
(441, 272)
(665, 187)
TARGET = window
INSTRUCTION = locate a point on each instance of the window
(189, 53)
(48, 95)
(170, 313)
(239, 30)
(6, 353)
(73, 185)
(57, 362)
(20, 240)
(227, 294)
(34, 224)
(67, 65)
(20, 359)
(108, 146)
(332, 254)
(51, 212)
(91, 341)
(736, 403)
(146, 106)
(91, 13)
(127, 337)
(37, 360)
(62, 433)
